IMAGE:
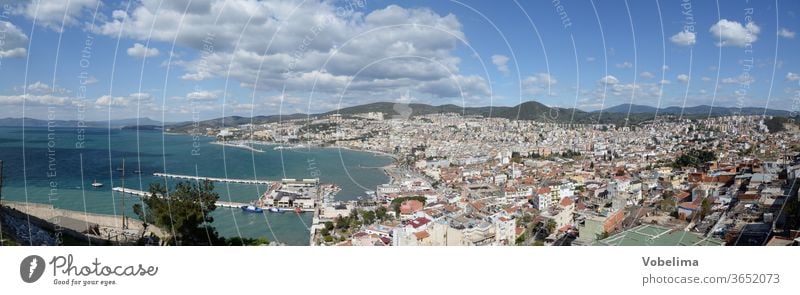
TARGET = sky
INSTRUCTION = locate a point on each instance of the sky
(182, 60)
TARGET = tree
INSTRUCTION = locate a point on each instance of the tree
(329, 225)
(380, 213)
(183, 214)
(705, 207)
(368, 216)
(236, 241)
(551, 225)
(668, 204)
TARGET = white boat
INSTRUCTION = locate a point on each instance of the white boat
(96, 184)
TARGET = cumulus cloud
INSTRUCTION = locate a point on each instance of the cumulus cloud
(744, 79)
(609, 80)
(647, 75)
(50, 14)
(792, 76)
(539, 83)
(14, 41)
(124, 101)
(201, 95)
(501, 61)
(786, 33)
(36, 100)
(684, 38)
(316, 44)
(683, 78)
(732, 33)
(139, 50)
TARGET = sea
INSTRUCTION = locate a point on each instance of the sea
(60, 165)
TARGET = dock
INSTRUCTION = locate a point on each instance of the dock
(224, 204)
(214, 179)
(139, 193)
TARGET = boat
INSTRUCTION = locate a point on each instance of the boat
(96, 184)
(137, 171)
(298, 210)
(276, 210)
(252, 209)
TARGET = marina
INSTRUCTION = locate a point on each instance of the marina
(223, 204)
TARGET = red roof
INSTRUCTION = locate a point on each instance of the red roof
(566, 202)
(416, 223)
(410, 206)
(422, 235)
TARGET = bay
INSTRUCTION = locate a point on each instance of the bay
(53, 173)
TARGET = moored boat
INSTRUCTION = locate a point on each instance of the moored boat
(252, 209)
(96, 184)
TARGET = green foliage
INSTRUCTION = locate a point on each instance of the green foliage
(520, 240)
(667, 204)
(328, 239)
(775, 124)
(551, 225)
(184, 213)
(236, 241)
(694, 158)
(368, 216)
(380, 213)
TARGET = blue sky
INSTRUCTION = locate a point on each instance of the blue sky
(211, 58)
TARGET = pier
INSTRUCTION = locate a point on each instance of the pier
(215, 179)
(224, 204)
(139, 193)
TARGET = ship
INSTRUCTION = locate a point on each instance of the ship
(252, 209)
(96, 184)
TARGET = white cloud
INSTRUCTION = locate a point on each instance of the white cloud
(389, 48)
(741, 79)
(792, 76)
(14, 41)
(647, 75)
(683, 78)
(624, 65)
(665, 68)
(501, 61)
(590, 59)
(665, 82)
(124, 101)
(201, 95)
(784, 32)
(36, 100)
(539, 83)
(705, 79)
(732, 33)
(684, 38)
(139, 50)
(609, 80)
(50, 14)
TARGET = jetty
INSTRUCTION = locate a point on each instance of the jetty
(214, 179)
(140, 193)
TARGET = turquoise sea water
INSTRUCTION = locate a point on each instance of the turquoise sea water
(53, 159)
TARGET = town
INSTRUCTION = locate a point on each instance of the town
(472, 180)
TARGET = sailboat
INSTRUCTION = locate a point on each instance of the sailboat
(96, 184)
